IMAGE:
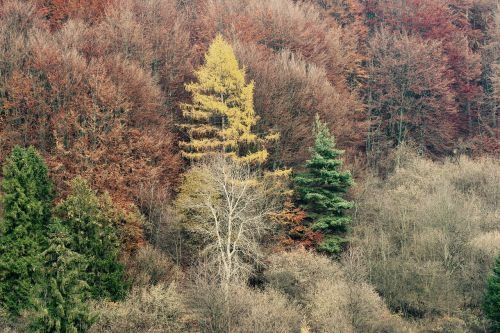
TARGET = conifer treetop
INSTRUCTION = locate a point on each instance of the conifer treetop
(321, 188)
(221, 116)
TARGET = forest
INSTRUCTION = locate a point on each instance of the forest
(250, 166)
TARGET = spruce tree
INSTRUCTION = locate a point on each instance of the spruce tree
(321, 189)
(63, 302)
(27, 199)
(222, 115)
(93, 235)
(491, 303)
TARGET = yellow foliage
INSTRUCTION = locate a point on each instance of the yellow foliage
(272, 137)
(258, 157)
(283, 173)
(221, 116)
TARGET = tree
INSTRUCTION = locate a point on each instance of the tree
(321, 190)
(93, 109)
(418, 227)
(293, 229)
(303, 63)
(57, 12)
(491, 81)
(93, 235)
(349, 16)
(27, 199)
(408, 95)
(221, 118)
(491, 303)
(227, 206)
(445, 22)
(64, 308)
(290, 92)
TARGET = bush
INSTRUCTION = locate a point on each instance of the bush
(264, 311)
(238, 308)
(333, 301)
(245, 310)
(340, 306)
(151, 266)
(429, 233)
(157, 308)
(295, 273)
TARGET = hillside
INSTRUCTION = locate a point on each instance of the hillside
(249, 166)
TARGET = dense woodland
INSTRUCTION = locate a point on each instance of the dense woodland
(240, 166)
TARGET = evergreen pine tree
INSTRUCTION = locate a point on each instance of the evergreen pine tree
(222, 115)
(93, 235)
(64, 308)
(27, 199)
(321, 190)
(491, 304)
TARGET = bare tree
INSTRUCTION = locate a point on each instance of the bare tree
(228, 205)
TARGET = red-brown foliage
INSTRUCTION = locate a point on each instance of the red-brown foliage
(349, 15)
(302, 64)
(281, 25)
(103, 118)
(410, 96)
(292, 231)
(95, 85)
(290, 92)
(154, 34)
(449, 22)
(57, 12)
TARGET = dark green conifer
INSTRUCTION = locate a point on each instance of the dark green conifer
(93, 235)
(321, 189)
(26, 199)
(63, 301)
(491, 303)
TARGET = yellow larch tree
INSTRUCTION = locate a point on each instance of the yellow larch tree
(221, 116)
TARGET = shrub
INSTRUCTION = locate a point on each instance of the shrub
(245, 310)
(430, 229)
(340, 306)
(151, 266)
(295, 273)
(332, 301)
(157, 308)
(264, 311)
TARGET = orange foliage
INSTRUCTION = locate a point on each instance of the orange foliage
(57, 12)
(292, 230)
(102, 118)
